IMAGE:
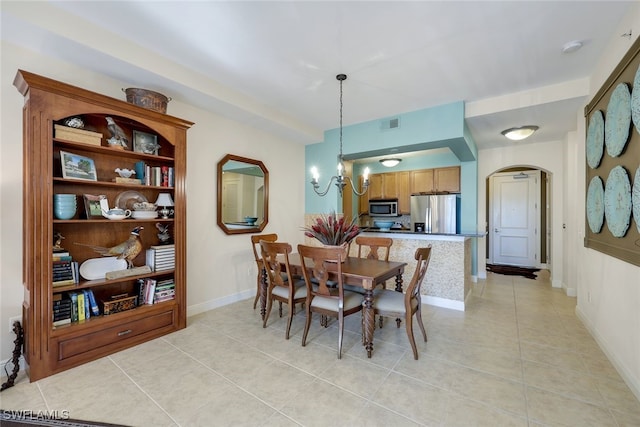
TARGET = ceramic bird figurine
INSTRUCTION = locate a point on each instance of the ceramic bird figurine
(118, 137)
(57, 241)
(127, 250)
(163, 233)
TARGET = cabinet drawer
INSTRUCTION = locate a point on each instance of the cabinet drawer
(127, 330)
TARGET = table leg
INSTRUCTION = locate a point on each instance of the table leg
(369, 321)
(263, 293)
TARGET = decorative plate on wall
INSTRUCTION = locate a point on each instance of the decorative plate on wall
(595, 140)
(635, 102)
(635, 198)
(595, 204)
(618, 120)
(617, 201)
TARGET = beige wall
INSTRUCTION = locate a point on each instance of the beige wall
(220, 268)
(612, 313)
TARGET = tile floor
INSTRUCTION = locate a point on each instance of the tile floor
(517, 357)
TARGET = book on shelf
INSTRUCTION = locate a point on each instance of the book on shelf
(61, 252)
(57, 257)
(164, 248)
(61, 322)
(80, 307)
(123, 180)
(140, 284)
(149, 290)
(73, 296)
(93, 304)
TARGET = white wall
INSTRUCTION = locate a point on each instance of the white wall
(613, 312)
(220, 268)
(548, 156)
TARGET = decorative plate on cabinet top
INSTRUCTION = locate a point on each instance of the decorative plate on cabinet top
(617, 201)
(127, 199)
(635, 198)
(595, 204)
(618, 120)
(595, 140)
(635, 102)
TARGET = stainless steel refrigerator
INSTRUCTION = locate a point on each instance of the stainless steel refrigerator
(434, 213)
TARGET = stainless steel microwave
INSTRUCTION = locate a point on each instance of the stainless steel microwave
(383, 207)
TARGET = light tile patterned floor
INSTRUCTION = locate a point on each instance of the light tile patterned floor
(517, 357)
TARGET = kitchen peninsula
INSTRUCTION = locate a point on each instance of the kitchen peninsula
(448, 281)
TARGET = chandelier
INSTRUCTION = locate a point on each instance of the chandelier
(340, 180)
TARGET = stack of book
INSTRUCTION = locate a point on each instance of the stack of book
(165, 291)
(161, 257)
(65, 270)
(151, 291)
(61, 310)
(159, 176)
(83, 305)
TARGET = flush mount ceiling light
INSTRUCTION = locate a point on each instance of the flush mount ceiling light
(390, 162)
(571, 46)
(519, 133)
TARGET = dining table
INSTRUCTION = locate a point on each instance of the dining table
(363, 272)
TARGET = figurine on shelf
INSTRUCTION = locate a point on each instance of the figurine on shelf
(57, 241)
(128, 250)
(118, 137)
(163, 233)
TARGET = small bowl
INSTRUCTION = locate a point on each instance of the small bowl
(116, 214)
(250, 219)
(125, 173)
(144, 206)
(384, 225)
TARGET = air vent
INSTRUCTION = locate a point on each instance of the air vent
(388, 124)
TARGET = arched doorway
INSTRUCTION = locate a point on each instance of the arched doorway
(518, 214)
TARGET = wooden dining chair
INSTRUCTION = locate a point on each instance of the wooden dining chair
(395, 304)
(372, 247)
(283, 287)
(318, 263)
(255, 245)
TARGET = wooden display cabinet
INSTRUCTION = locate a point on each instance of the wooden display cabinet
(50, 349)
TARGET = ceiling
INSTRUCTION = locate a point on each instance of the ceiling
(272, 64)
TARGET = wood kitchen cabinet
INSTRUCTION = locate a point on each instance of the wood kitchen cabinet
(403, 183)
(447, 179)
(440, 180)
(383, 186)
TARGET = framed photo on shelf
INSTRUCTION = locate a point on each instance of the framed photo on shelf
(94, 205)
(146, 143)
(75, 166)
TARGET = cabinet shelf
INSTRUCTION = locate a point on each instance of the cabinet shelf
(100, 320)
(127, 154)
(108, 184)
(85, 284)
(122, 221)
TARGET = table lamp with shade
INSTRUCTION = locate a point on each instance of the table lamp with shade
(165, 201)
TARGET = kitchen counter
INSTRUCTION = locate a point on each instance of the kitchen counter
(448, 281)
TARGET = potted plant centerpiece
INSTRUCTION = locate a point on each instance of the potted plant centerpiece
(330, 230)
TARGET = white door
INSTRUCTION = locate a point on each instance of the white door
(515, 218)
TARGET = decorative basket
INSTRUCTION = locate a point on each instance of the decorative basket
(118, 303)
(147, 98)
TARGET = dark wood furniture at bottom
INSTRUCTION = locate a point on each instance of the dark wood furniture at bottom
(366, 273)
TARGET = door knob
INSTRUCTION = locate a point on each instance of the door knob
(495, 230)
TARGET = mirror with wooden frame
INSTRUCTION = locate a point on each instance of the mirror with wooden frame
(243, 195)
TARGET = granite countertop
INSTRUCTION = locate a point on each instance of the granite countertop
(409, 231)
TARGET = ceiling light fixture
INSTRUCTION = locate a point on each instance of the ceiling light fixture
(519, 133)
(390, 162)
(340, 180)
(571, 46)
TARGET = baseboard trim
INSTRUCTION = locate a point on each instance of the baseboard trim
(632, 383)
(443, 302)
(193, 310)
